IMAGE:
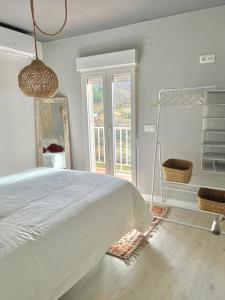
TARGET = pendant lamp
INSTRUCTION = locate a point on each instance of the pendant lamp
(37, 79)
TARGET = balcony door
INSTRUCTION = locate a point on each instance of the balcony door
(110, 118)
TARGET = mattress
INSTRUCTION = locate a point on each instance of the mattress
(55, 226)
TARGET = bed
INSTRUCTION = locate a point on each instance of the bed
(56, 225)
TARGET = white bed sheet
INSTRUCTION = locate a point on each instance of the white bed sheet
(55, 225)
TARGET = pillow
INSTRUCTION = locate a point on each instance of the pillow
(55, 148)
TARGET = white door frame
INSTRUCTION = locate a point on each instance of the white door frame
(108, 118)
(86, 123)
(110, 74)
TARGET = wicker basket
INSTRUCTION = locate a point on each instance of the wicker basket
(177, 170)
(211, 200)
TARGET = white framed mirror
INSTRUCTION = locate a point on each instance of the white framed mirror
(52, 132)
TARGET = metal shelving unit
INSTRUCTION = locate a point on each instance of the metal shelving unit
(188, 97)
(213, 133)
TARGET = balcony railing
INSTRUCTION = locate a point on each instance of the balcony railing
(122, 148)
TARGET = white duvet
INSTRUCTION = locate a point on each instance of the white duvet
(55, 225)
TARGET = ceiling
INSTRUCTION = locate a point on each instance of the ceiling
(85, 16)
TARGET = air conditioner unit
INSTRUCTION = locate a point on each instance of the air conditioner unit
(17, 43)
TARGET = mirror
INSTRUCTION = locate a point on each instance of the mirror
(52, 133)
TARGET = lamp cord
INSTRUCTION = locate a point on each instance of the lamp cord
(35, 25)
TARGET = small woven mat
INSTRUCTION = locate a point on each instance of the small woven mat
(130, 245)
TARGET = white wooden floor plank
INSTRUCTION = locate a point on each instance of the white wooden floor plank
(179, 263)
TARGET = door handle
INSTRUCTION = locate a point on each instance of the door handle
(109, 130)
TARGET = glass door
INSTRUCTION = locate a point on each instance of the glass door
(96, 106)
(121, 113)
(110, 111)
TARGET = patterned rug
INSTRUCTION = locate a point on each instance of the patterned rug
(130, 245)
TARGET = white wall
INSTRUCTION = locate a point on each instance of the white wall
(17, 131)
(171, 61)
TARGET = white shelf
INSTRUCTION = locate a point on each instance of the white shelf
(197, 182)
(181, 185)
(214, 118)
(219, 131)
(182, 204)
(217, 144)
(214, 156)
(217, 91)
(218, 169)
(214, 104)
(187, 204)
(179, 190)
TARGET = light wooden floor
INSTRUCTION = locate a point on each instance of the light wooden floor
(179, 263)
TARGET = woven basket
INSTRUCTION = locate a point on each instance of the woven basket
(177, 170)
(38, 80)
(211, 200)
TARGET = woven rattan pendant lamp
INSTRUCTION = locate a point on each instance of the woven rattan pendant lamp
(37, 79)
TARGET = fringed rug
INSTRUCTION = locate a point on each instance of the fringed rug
(130, 245)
